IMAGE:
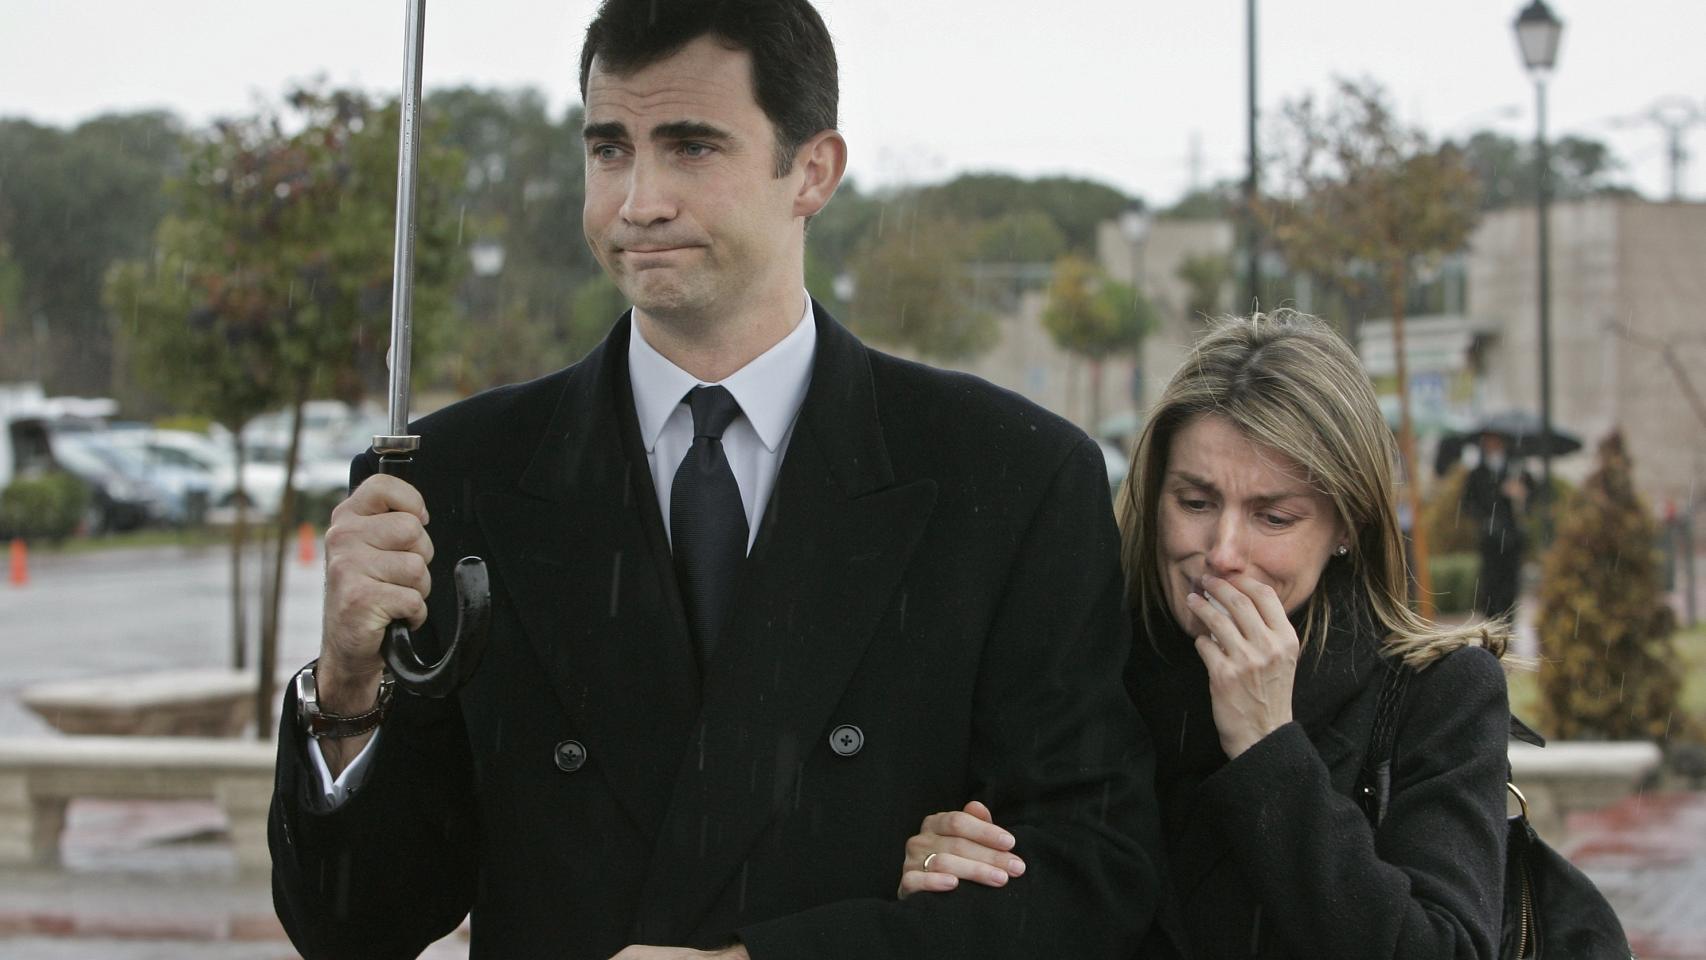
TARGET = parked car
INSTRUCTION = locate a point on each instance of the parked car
(184, 492)
(263, 483)
(117, 501)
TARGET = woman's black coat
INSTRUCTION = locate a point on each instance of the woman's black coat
(1269, 854)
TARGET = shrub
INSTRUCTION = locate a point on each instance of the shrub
(1450, 530)
(1609, 669)
(46, 506)
(1454, 579)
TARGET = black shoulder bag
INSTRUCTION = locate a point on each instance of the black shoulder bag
(1552, 910)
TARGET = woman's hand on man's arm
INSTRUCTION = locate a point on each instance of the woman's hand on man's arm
(958, 845)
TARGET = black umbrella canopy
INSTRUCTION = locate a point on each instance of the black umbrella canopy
(1523, 435)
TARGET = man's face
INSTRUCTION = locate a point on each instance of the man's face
(683, 207)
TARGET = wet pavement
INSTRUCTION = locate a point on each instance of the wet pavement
(1647, 853)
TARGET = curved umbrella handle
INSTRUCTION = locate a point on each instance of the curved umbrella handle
(473, 620)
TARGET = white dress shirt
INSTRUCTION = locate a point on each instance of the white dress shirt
(769, 389)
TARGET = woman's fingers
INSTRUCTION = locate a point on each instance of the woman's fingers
(931, 850)
(917, 881)
(958, 845)
(969, 824)
(1267, 602)
(1224, 633)
(1240, 611)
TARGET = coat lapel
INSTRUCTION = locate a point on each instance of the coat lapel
(573, 550)
(834, 543)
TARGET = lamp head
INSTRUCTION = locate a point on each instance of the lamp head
(1538, 31)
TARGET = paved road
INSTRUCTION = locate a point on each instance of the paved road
(144, 880)
(134, 610)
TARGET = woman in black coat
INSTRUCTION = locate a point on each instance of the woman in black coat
(1268, 585)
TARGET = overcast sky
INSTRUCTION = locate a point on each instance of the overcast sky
(1117, 90)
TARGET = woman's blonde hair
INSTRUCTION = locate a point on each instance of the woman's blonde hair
(1288, 382)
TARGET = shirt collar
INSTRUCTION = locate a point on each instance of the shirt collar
(769, 389)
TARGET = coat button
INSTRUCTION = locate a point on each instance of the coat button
(570, 756)
(846, 740)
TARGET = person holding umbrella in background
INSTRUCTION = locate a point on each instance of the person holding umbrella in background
(1495, 496)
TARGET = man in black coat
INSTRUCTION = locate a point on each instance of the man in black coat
(763, 597)
(1494, 495)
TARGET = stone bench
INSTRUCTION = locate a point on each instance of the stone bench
(40, 776)
(1570, 775)
(172, 703)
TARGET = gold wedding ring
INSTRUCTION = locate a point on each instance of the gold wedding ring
(927, 862)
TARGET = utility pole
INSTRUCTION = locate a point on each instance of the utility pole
(1252, 233)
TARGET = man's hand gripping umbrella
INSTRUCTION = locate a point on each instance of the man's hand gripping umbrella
(396, 451)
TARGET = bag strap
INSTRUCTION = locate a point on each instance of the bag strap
(1374, 782)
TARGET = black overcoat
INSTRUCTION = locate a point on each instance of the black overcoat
(1269, 854)
(934, 585)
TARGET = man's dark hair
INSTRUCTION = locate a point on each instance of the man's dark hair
(793, 59)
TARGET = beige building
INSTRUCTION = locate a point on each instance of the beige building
(1026, 360)
(1144, 252)
(1628, 322)
(1148, 255)
(1628, 326)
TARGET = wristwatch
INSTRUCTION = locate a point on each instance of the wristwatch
(321, 725)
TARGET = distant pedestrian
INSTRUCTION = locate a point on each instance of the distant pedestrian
(1495, 495)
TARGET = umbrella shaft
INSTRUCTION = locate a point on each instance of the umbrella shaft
(403, 263)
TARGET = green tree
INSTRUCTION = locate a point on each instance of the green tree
(1505, 169)
(1076, 207)
(1609, 669)
(1359, 199)
(1219, 202)
(72, 202)
(276, 276)
(913, 290)
(519, 214)
(1024, 236)
(1205, 277)
(1094, 317)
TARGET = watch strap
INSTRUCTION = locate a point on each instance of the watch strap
(320, 725)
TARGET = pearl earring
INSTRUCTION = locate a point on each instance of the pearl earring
(1343, 551)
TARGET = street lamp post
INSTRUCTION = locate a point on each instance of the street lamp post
(1252, 231)
(1537, 34)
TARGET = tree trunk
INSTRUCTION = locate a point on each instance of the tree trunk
(239, 533)
(1407, 449)
(1071, 385)
(268, 658)
(1095, 396)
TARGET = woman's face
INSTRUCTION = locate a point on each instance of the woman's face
(1232, 507)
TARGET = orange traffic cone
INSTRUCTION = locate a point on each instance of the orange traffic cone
(305, 544)
(20, 562)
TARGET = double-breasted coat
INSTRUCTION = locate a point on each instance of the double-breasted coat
(931, 611)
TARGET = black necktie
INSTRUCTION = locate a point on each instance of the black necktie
(707, 524)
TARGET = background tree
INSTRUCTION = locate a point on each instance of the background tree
(913, 290)
(282, 254)
(1205, 277)
(1359, 198)
(1094, 317)
(1505, 169)
(72, 202)
(199, 336)
(1609, 668)
(1218, 202)
(519, 213)
(1076, 207)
